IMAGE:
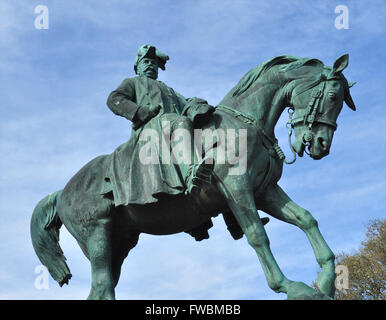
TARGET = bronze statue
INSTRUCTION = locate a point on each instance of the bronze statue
(107, 225)
(149, 103)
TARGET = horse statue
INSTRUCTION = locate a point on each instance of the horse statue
(314, 95)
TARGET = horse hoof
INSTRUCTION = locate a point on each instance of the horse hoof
(301, 291)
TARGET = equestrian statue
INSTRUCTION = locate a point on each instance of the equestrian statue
(187, 162)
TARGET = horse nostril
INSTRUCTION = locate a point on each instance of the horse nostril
(323, 143)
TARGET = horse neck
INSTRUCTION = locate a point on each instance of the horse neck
(265, 104)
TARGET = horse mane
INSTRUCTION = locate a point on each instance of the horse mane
(251, 76)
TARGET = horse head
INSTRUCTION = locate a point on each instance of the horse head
(315, 103)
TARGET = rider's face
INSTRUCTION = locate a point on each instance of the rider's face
(148, 67)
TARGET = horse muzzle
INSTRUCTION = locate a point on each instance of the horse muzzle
(319, 147)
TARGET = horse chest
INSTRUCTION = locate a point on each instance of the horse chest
(268, 170)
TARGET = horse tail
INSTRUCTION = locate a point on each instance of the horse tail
(45, 225)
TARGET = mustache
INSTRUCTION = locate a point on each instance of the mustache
(150, 68)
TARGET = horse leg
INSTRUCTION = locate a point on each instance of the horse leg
(100, 254)
(97, 224)
(241, 201)
(278, 204)
(121, 249)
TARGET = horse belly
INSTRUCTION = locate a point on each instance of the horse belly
(165, 217)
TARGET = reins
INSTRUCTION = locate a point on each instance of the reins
(308, 119)
(249, 120)
(311, 115)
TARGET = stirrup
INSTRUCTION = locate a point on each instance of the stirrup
(198, 175)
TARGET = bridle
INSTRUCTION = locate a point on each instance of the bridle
(311, 116)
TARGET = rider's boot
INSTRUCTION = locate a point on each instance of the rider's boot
(198, 175)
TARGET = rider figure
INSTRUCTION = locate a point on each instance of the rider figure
(142, 98)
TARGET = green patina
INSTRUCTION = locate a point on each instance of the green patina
(115, 197)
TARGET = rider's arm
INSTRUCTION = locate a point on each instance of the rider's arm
(196, 109)
(121, 100)
(182, 101)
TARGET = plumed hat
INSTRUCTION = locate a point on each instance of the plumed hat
(147, 51)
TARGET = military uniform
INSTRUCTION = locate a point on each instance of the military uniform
(145, 92)
(126, 172)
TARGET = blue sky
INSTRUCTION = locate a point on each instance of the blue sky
(53, 120)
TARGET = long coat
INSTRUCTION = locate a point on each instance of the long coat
(127, 178)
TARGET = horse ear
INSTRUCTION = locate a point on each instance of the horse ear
(312, 62)
(349, 101)
(339, 65)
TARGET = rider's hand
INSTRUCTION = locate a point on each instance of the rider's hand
(154, 110)
(144, 114)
